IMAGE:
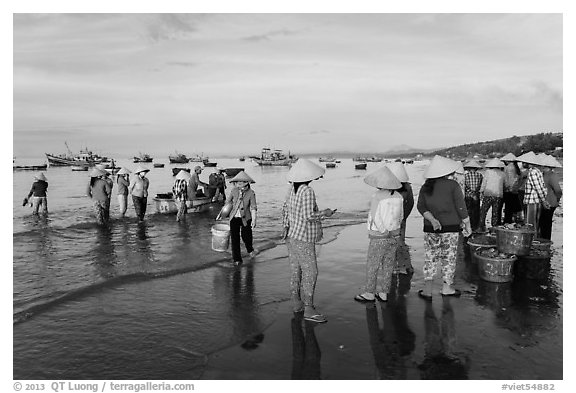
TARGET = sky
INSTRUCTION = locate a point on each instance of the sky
(230, 84)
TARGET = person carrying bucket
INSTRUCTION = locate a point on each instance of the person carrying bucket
(180, 193)
(241, 207)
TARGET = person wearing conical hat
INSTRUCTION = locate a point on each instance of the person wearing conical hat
(302, 229)
(180, 193)
(442, 206)
(38, 195)
(403, 264)
(492, 191)
(195, 182)
(99, 190)
(384, 227)
(138, 188)
(472, 182)
(554, 193)
(243, 216)
(123, 181)
(535, 190)
(511, 198)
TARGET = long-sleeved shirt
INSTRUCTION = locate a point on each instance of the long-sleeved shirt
(38, 189)
(386, 214)
(493, 183)
(139, 186)
(100, 190)
(446, 203)
(511, 178)
(535, 190)
(122, 185)
(300, 215)
(408, 196)
(554, 192)
(472, 183)
(243, 202)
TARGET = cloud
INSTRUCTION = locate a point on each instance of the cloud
(163, 27)
(269, 35)
(182, 64)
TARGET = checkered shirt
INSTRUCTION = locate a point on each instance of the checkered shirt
(472, 183)
(300, 215)
(535, 190)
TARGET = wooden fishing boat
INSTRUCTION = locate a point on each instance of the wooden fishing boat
(210, 164)
(178, 158)
(158, 165)
(79, 168)
(330, 165)
(85, 157)
(143, 157)
(231, 172)
(165, 204)
(362, 165)
(29, 167)
(327, 159)
(175, 171)
(274, 158)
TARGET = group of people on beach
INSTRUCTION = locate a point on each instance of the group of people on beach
(454, 199)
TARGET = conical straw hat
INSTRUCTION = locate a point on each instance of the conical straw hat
(509, 157)
(124, 171)
(97, 172)
(383, 178)
(40, 177)
(495, 163)
(529, 158)
(102, 167)
(140, 168)
(552, 162)
(397, 168)
(304, 170)
(183, 175)
(460, 169)
(242, 176)
(440, 166)
(472, 164)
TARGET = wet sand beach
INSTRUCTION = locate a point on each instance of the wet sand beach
(222, 322)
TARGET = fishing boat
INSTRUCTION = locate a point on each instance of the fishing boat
(327, 159)
(231, 172)
(242, 158)
(29, 167)
(373, 159)
(158, 165)
(178, 158)
(209, 164)
(330, 165)
(199, 158)
(79, 168)
(276, 157)
(360, 166)
(143, 157)
(165, 204)
(359, 159)
(85, 157)
(175, 171)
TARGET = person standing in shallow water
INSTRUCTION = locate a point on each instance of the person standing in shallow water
(123, 181)
(442, 205)
(384, 226)
(100, 191)
(139, 190)
(302, 229)
(180, 193)
(38, 194)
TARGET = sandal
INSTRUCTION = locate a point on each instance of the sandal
(380, 298)
(362, 299)
(456, 293)
(318, 318)
(423, 296)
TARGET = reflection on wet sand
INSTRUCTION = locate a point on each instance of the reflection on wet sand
(440, 359)
(105, 258)
(305, 349)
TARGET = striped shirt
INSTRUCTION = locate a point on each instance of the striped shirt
(472, 183)
(535, 190)
(300, 215)
(179, 190)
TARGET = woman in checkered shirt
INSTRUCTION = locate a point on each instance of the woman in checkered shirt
(535, 190)
(302, 225)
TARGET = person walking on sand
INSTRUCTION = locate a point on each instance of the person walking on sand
(492, 191)
(302, 229)
(398, 169)
(384, 227)
(472, 182)
(511, 198)
(138, 188)
(535, 191)
(123, 181)
(553, 196)
(442, 205)
(38, 195)
(180, 193)
(100, 191)
(242, 200)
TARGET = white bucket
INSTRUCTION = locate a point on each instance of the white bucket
(220, 237)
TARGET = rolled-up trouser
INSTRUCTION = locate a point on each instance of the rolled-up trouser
(123, 202)
(304, 269)
(532, 215)
(494, 202)
(182, 209)
(381, 256)
(440, 247)
(39, 204)
(139, 206)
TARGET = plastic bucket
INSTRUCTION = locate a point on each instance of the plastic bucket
(511, 241)
(220, 237)
(479, 242)
(540, 244)
(533, 267)
(495, 269)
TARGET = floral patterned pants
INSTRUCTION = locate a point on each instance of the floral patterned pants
(440, 247)
(102, 211)
(302, 256)
(381, 256)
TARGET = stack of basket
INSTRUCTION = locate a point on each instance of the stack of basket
(514, 246)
